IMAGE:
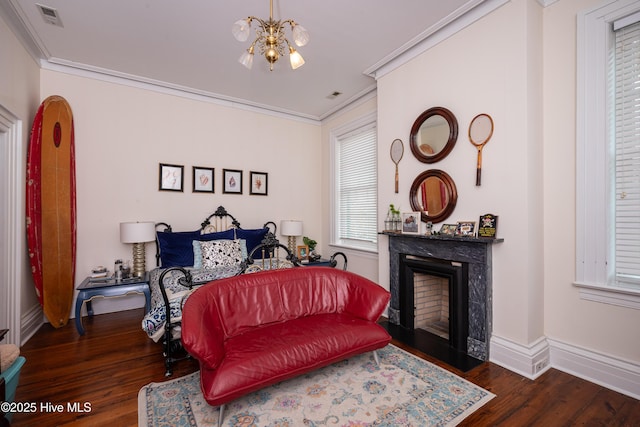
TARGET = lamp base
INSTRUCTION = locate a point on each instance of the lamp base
(291, 244)
(139, 269)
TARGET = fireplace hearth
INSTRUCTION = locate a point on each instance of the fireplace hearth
(464, 264)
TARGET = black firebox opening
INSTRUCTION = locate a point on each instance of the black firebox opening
(454, 350)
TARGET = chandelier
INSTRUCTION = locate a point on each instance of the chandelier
(270, 39)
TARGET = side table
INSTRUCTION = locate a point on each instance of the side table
(108, 287)
(319, 263)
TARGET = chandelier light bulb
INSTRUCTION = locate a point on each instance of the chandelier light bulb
(296, 59)
(246, 58)
(300, 35)
(241, 29)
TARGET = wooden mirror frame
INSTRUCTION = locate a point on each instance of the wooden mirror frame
(450, 187)
(451, 142)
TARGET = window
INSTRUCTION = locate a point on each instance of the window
(355, 204)
(608, 154)
(626, 92)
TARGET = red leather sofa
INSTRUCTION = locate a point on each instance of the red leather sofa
(254, 330)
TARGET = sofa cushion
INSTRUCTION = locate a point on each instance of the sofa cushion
(270, 354)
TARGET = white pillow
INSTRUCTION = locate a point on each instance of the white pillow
(216, 253)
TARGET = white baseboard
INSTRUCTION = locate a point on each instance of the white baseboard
(620, 375)
(30, 322)
(529, 361)
(533, 360)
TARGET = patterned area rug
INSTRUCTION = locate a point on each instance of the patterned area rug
(403, 391)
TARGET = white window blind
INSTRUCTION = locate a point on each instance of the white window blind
(356, 185)
(627, 153)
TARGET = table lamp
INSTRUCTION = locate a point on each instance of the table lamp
(138, 233)
(291, 229)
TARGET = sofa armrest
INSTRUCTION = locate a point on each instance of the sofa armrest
(202, 334)
(366, 299)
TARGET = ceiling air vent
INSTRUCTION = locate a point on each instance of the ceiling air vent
(334, 95)
(50, 15)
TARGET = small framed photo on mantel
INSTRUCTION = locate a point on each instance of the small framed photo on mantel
(466, 228)
(488, 226)
(411, 223)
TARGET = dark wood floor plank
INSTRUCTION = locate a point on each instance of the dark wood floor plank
(114, 359)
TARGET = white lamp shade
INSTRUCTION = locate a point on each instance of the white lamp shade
(295, 58)
(291, 228)
(241, 30)
(300, 35)
(137, 232)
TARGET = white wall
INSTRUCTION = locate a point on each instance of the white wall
(517, 64)
(606, 329)
(491, 67)
(123, 133)
(19, 94)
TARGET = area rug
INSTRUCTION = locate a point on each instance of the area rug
(402, 391)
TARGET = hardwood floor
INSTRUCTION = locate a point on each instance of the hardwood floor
(109, 364)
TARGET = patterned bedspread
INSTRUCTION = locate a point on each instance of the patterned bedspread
(154, 321)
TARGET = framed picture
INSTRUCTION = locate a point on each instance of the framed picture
(488, 225)
(448, 229)
(203, 180)
(259, 181)
(465, 228)
(303, 252)
(171, 177)
(231, 181)
(411, 223)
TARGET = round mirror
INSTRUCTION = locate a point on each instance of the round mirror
(433, 135)
(433, 194)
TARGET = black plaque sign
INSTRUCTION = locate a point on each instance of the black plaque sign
(488, 225)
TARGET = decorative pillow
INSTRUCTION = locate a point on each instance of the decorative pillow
(197, 252)
(253, 237)
(218, 253)
(176, 249)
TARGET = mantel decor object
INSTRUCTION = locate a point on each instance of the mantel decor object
(488, 225)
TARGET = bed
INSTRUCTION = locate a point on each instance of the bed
(186, 260)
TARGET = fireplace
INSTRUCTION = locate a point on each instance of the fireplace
(458, 271)
(434, 297)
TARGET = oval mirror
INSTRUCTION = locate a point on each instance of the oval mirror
(433, 194)
(433, 135)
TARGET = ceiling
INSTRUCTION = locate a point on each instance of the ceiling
(188, 45)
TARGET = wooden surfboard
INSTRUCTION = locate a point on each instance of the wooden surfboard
(51, 208)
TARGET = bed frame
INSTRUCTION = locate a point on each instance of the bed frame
(220, 220)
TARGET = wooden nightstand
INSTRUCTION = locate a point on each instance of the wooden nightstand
(108, 287)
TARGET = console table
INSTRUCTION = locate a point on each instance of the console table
(108, 287)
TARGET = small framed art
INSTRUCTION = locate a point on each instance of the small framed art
(466, 228)
(448, 229)
(259, 181)
(303, 252)
(203, 180)
(411, 223)
(488, 225)
(231, 181)
(171, 177)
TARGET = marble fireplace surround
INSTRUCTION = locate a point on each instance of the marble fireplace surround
(476, 253)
